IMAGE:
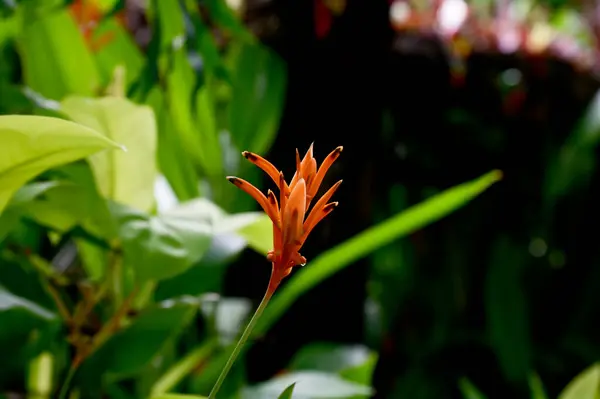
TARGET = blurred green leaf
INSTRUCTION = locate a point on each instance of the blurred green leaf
(33, 144)
(287, 393)
(536, 387)
(174, 159)
(183, 368)
(159, 247)
(40, 376)
(309, 385)
(135, 347)
(119, 49)
(329, 357)
(225, 17)
(11, 303)
(259, 234)
(177, 396)
(171, 23)
(584, 386)
(125, 177)
(56, 59)
(259, 84)
(576, 160)
(335, 259)
(508, 322)
(469, 390)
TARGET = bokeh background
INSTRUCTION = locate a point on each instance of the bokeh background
(498, 300)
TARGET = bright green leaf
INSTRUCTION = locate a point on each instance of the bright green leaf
(584, 386)
(287, 393)
(56, 60)
(536, 387)
(335, 259)
(309, 385)
(259, 235)
(125, 177)
(177, 396)
(33, 144)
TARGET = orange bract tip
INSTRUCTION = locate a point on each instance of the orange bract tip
(330, 207)
(234, 180)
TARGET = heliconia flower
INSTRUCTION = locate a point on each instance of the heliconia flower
(291, 225)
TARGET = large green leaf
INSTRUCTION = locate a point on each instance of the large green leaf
(125, 177)
(309, 385)
(56, 60)
(131, 350)
(33, 144)
(335, 259)
(259, 85)
(159, 247)
(585, 386)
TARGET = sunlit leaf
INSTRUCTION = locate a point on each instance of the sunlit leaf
(33, 144)
(584, 386)
(56, 60)
(125, 177)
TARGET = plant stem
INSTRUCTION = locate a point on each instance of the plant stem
(241, 342)
(64, 390)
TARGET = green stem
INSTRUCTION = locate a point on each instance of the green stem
(65, 387)
(241, 342)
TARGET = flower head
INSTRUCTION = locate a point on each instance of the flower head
(292, 223)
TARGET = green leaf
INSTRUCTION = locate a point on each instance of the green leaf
(259, 86)
(536, 387)
(225, 17)
(508, 321)
(170, 21)
(329, 357)
(12, 303)
(335, 259)
(159, 247)
(56, 60)
(120, 49)
(183, 368)
(177, 396)
(174, 160)
(352, 362)
(125, 177)
(259, 235)
(34, 144)
(469, 390)
(132, 349)
(309, 385)
(584, 386)
(287, 393)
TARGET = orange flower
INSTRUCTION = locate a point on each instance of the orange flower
(290, 227)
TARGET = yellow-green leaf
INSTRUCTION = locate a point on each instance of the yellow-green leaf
(125, 177)
(30, 145)
(585, 386)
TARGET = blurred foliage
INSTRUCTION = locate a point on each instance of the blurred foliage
(119, 121)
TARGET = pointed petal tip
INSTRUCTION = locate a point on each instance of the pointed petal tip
(232, 179)
(330, 207)
(339, 149)
(249, 155)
